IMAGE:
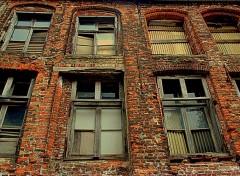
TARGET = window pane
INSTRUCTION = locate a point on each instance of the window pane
(194, 88)
(197, 118)
(111, 142)
(24, 22)
(173, 118)
(8, 148)
(87, 26)
(171, 88)
(83, 143)
(21, 88)
(85, 44)
(106, 50)
(110, 90)
(20, 35)
(14, 116)
(86, 90)
(85, 119)
(42, 23)
(105, 39)
(111, 119)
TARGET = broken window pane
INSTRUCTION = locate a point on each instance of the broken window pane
(86, 90)
(14, 116)
(109, 90)
(194, 88)
(85, 119)
(171, 88)
(20, 88)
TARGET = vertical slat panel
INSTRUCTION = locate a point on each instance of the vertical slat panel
(177, 142)
(203, 141)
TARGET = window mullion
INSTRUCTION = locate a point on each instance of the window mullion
(97, 90)
(74, 90)
(3, 112)
(28, 40)
(183, 87)
(97, 132)
(8, 87)
(189, 138)
(160, 87)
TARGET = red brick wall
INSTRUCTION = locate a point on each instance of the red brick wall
(43, 143)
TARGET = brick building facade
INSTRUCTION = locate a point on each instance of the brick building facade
(119, 88)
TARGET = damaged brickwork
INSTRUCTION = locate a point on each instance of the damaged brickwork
(43, 143)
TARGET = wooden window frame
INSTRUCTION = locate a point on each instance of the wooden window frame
(13, 25)
(8, 100)
(96, 104)
(95, 20)
(204, 103)
(234, 81)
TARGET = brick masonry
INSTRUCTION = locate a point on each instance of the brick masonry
(42, 145)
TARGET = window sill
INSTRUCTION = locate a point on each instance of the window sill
(73, 56)
(191, 158)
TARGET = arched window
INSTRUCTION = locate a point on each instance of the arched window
(224, 30)
(168, 37)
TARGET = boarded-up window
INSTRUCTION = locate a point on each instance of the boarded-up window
(168, 37)
(97, 125)
(189, 122)
(226, 34)
(96, 36)
(15, 93)
(29, 33)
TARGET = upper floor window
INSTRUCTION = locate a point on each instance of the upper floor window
(95, 36)
(189, 121)
(225, 32)
(15, 92)
(96, 125)
(27, 33)
(168, 37)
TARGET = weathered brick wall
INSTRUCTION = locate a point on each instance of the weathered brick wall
(43, 143)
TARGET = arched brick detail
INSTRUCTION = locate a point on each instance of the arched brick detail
(221, 11)
(170, 14)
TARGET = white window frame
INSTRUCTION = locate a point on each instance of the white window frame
(97, 103)
(169, 103)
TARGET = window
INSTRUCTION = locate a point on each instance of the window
(97, 127)
(95, 36)
(14, 96)
(225, 32)
(27, 33)
(189, 122)
(168, 37)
